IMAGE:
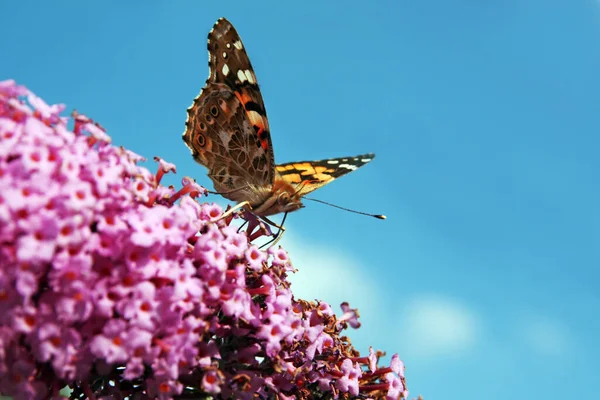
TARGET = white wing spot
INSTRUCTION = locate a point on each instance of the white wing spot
(238, 44)
(365, 159)
(344, 159)
(241, 76)
(348, 166)
(333, 162)
(225, 136)
(228, 45)
(250, 76)
(225, 69)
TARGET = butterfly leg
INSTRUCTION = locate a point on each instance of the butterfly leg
(232, 210)
(279, 233)
(242, 225)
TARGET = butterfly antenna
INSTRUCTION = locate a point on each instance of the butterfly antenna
(378, 216)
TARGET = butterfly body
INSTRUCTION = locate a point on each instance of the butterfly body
(227, 131)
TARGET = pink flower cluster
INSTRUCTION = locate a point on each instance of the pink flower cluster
(116, 286)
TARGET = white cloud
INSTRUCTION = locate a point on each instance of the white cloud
(546, 336)
(330, 275)
(426, 326)
(437, 326)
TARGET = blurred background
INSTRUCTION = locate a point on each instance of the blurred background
(484, 116)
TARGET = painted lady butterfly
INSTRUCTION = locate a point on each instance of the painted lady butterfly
(227, 131)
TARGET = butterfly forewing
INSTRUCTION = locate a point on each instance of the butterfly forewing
(311, 175)
(229, 63)
(227, 129)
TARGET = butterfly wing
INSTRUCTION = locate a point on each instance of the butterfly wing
(307, 176)
(227, 129)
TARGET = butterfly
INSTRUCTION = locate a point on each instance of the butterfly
(227, 131)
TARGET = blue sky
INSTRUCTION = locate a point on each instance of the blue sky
(484, 116)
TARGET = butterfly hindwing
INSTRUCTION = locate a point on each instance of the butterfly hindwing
(307, 176)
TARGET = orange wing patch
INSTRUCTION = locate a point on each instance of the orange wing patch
(310, 175)
(305, 171)
(256, 115)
